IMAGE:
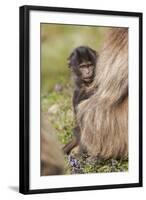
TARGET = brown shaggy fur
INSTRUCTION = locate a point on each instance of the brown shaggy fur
(52, 160)
(103, 118)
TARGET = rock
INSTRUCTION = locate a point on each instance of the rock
(53, 109)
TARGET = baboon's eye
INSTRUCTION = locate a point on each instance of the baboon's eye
(82, 65)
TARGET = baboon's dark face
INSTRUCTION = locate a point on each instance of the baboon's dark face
(82, 62)
(86, 70)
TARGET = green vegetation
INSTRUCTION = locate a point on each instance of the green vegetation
(57, 41)
(58, 105)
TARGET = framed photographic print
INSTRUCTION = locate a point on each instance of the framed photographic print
(80, 99)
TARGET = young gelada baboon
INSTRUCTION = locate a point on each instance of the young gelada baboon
(103, 118)
(52, 159)
(82, 62)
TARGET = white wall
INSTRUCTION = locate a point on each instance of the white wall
(9, 90)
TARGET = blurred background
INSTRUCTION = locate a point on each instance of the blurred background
(57, 42)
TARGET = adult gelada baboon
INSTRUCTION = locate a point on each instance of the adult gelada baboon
(103, 118)
(52, 158)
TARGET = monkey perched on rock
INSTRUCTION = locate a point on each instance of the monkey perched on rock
(103, 118)
(82, 62)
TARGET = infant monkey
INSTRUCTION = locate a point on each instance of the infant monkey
(82, 62)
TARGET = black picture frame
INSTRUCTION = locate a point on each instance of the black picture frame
(25, 105)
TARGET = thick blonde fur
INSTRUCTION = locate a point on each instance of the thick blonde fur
(103, 118)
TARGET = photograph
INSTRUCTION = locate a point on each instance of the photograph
(80, 99)
(84, 109)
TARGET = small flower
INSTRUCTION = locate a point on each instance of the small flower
(114, 162)
(73, 162)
